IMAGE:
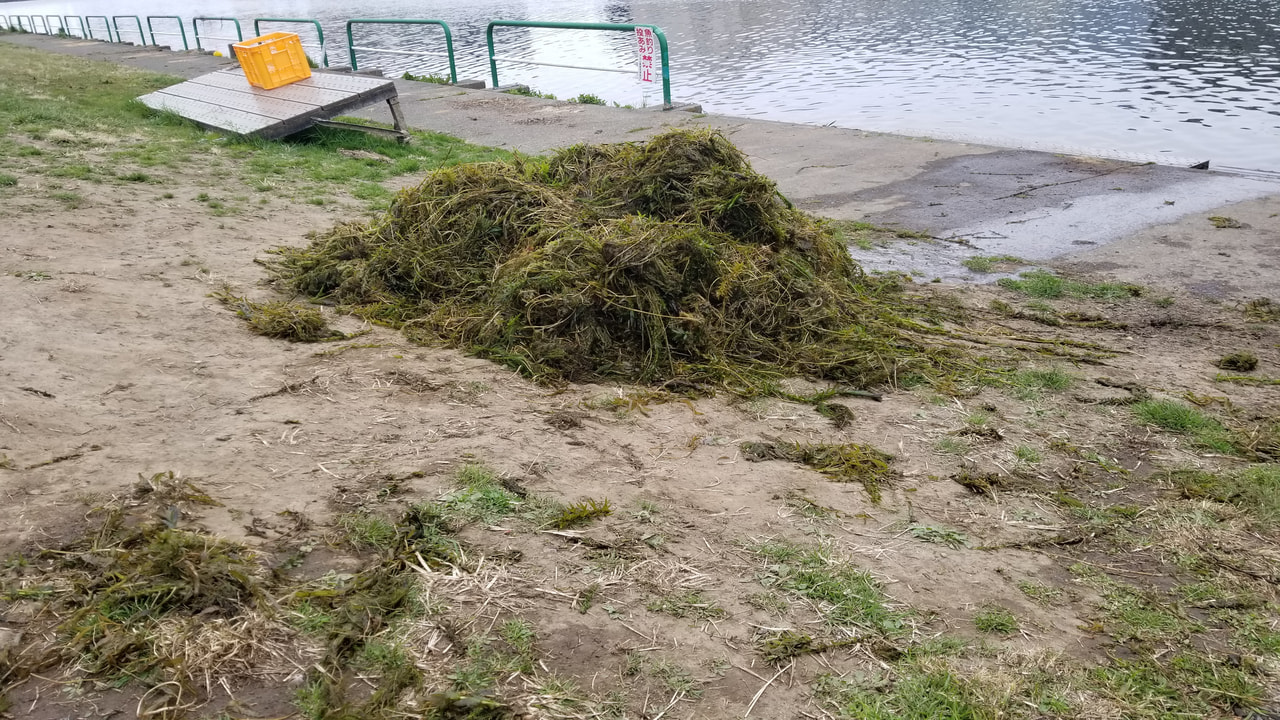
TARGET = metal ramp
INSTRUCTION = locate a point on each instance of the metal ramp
(225, 101)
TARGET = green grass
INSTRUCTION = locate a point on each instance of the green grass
(481, 497)
(995, 621)
(1044, 284)
(866, 236)
(916, 694)
(588, 99)
(953, 539)
(1183, 419)
(844, 594)
(1254, 489)
(7, 180)
(988, 263)
(78, 105)
(529, 92)
(429, 78)
(1043, 594)
(691, 604)
(364, 530)
(1027, 455)
(1029, 384)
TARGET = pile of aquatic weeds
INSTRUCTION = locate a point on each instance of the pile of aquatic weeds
(670, 260)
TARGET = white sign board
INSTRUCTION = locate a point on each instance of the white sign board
(647, 48)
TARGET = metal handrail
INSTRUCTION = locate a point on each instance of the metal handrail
(105, 21)
(115, 22)
(195, 27)
(618, 27)
(43, 22)
(448, 42)
(324, 54)
(62, 27)
(66, 23)
(181, 29)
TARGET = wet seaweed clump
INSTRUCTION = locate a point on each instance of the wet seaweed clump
(670, 260)
(280, 319)
(842, 463)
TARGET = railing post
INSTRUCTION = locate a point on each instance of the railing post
(195, 28)
(493, 64)
(448, 40)
(182, 29)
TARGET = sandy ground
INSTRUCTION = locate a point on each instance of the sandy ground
(115, 363)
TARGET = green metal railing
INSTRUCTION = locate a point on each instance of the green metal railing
(62, 27)
(105, 22)
(324, 54)
(115, 23)
(195, 28)
(43, 22)
(182, 30)
(448, 43)
(615, 27)
(66, 22)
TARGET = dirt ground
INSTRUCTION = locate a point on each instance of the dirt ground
(116, 365)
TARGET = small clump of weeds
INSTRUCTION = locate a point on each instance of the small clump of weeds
(1254, 489)
(843, 594)
(529, 92)
(7, 180)
(842, 463)
(588, 99)
(990, 263)
(429, 78)
(1238, 362)
(1041, 593)
(995, 620)
(1222, 222)
(481, 497)
(953, 539)
(1029, 384)
(692, 604)
(1046, 285)
(581, 513)
(281, 319)
(1262, 310)
(1027, 455)
(1183, 419)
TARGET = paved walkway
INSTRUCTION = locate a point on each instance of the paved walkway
(1143, 223)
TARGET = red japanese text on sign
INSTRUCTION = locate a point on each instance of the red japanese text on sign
(644, 41)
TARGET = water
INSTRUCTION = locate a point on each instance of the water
(1167, 80)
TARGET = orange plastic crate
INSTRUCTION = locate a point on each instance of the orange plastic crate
(273, 60)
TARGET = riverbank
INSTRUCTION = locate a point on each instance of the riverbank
(1091, 535)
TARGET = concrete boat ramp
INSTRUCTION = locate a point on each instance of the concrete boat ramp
(1137, 222)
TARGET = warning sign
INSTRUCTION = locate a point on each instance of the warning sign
(644, 37)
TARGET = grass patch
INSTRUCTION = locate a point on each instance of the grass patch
(1183, 419)
(1046, 595)
(917, 693)
(692, 604)
(953, 539)
(995, 621)
(581, 513)
(429, 78)
(990, 263)
(1044, 284)
(842, 463)
(481, 497)
(844, 595)
(588, 99)
(1030, 383)
(866, 236)
(1254, 489)
(529, 92)
(7, 180)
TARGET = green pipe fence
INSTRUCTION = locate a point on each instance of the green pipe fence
(448, 43)
(615, 27)
(62, 27)
(195, 28)
(182, 30)
(324, 54)
(66, 22)
(43, 22)
(115, 22)
(105, 22)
